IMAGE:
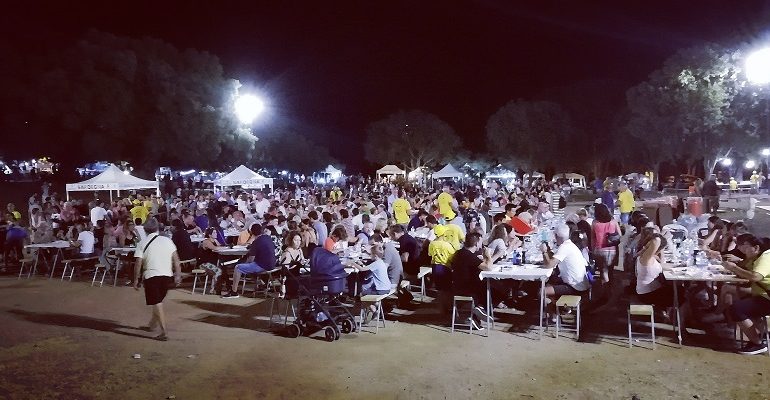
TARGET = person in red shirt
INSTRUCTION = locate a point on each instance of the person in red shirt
(519, 224)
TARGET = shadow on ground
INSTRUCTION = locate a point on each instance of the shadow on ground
(76, 321)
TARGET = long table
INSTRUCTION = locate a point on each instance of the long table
(711, 273)
(526, 272)
(59, 246)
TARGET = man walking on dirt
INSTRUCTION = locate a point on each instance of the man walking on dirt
(155, 255)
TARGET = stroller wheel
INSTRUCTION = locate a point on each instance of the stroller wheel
(293, 331)
(347, 325)
(330, 334)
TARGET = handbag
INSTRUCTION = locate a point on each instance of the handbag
(613, 239)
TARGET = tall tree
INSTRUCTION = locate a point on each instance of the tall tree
(140, 100)
(697, 107)
(531, 135)
(411, 138)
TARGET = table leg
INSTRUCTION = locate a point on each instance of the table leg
(117, 270)
(678, 326)
(542, 305)
(55, 259)
(37, 259)
(489, 307)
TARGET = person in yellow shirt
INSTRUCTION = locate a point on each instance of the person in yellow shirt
(446, 204)
(625, 203)
(139, 211)
(401, 209)
(441, 252)
(454, 235)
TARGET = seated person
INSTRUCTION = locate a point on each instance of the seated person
(259, 259)
(519, 222)
(572, 278)
(184, 246)
(745, 311)
(380, 283)
(85, 241)
(336, 240)
(466, 266)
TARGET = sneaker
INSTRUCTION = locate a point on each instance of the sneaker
(481, 312)
(751, 349)
(231, 295)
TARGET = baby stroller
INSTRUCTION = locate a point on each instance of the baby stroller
(318, 297)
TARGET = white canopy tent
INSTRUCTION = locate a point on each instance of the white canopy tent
(390, 169)
(113, 178)
(244, 177)
(448, 172)
(576, 180)
(534, 175)
(329, 174)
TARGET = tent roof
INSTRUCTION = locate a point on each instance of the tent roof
(331, 170)
(390, 169)
(535, 175)
(243, 176)
(112, 178)
(448, 172)
(569, 175)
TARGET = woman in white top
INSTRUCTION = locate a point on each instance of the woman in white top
(502, 241)
(649, 286)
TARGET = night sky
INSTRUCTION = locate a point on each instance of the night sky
(332, 67)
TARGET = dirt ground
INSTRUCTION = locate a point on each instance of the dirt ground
(67, 340)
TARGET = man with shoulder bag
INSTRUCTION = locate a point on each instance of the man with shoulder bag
(155, 256)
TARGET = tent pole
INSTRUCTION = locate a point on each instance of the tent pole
(68, 195)
(110, 196)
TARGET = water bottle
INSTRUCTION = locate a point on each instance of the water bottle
(516, 257)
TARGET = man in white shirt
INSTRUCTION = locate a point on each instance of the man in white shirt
(85, 241)
(572, 278)
(98, 213)
(261, 204)
(155, 257)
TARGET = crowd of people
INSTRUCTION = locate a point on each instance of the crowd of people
(458, 232)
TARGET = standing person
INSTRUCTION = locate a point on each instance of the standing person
(604, 253)
(155, 257)
(710, 192)
(608, 198)
(401, 208)
(446, 204)
(625, 203)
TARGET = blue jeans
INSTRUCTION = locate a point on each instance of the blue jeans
(624, 218)
(250, 268)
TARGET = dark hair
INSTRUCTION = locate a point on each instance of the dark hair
(602, 213)
(499, 217)
(740, 228)
(313, 214)
(290, 238)
(472, 239)
(344, 213)
(422, 213)
(431, 219)
(255, 229)
(209, 231)
(753, 241)
(339, 232)
(498, 232)
(396, 229)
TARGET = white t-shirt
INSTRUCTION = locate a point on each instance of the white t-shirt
(140, 231)
(86, 239)
(97, 214)
(157, 257)
(261, 207)
(572, 265)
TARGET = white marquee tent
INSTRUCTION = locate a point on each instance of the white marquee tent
(390, 169)
(448, 172)
(574, 179)
(113, 178)
(244, 177)
(329, 174)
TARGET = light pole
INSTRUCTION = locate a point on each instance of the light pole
(766, 153)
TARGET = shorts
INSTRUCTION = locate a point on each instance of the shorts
(155, 289)
(560, 288)
(750, 308)
(250, 268)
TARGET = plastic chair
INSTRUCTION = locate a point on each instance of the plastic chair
(641, 310)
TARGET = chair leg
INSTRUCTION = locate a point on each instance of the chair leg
(652, 320)
(66, 265)
(577, 318)
(422, 289)
(96, 271)
(104, 275)
(470, 324)
(205, 284)
(272, 303)
(195, 283)
(767, 335)
(21, 270)
(629, 329)
(558, 321)
(454, 312)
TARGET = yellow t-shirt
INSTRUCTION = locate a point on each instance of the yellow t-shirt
(625, 201)
(762, 266)
(401, 209)
(140, 212)
(445, 206)
(440, 252)
(454, 235)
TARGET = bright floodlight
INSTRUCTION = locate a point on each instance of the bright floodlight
(758, 66)
(125, 171)
(248, 107)
(727, 162)
(766, 152)
(750, 164)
